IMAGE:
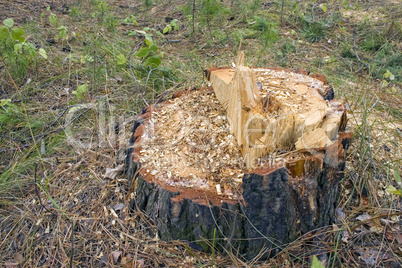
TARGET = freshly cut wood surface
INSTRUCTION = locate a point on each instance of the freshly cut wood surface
(188, 176)
(286, 108)
(233, 163)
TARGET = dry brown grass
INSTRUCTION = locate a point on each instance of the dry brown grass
(80, 218)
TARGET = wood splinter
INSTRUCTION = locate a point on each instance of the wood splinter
(281, 111)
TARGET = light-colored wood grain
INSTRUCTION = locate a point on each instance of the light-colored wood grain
(288, 112)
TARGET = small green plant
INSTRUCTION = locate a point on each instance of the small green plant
(62, 32)
(52, 17)
(324, 7)
(9, 112)
(173, 25)
(80, 91)
(16, 51)
(149, 53)
(268, 31)
(61, 29)
(388, 76)
(102, 8)
(211, 9)
(111, 22)
(149, 56)
(313, 30)
(373, 42)
(148, 3)
(132, 19)
(345, 4)
(397, 178)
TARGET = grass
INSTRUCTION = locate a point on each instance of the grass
(47, 182)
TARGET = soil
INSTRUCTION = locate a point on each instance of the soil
(24, 10)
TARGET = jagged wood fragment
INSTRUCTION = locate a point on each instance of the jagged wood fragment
(289, 106)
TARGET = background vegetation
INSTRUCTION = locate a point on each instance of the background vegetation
(60, 59)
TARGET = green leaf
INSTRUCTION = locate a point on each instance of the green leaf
(167, 29)
(18, 48)
(121, 59)
(316, 263)
(148, 41)
(132, 19)
(72, 58)
(4, 32)
(397, 177)
(8, 22)
(80, 90)
(30, 49)
(86, 58)
(18, 34)
(52, 19)
(153, 48)
(389, 75)
(62, 31)
(4, 102)
(43, 53)
(143, 52)
(174, 24)
(324, 7)
(345, 4)
(393, 190)
(153, 61)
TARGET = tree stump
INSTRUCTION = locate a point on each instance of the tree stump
(196, 179)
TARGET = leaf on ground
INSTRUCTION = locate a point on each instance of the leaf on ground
(377, 229)
(121, 59)
(369, 256)
(118, 207)
(43, 53)
(8, 22)
(116, 255)
(393, 190)
(363, 217)
(11, 263)
(316, 263)
(394, 233)
(345, 236)
(111, 173)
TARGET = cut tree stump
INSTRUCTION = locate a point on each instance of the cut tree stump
(201, 178)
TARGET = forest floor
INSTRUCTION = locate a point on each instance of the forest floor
(74, 74)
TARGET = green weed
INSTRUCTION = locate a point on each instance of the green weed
(313, 31)
(18, 54)
(173, 25)
(268, 32)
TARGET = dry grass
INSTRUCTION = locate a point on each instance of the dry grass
(79, 217)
